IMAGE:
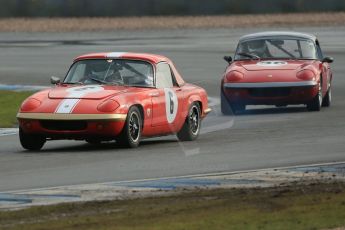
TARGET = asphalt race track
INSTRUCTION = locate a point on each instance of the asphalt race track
(260, 138)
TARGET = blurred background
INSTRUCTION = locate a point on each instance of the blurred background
(110, 8)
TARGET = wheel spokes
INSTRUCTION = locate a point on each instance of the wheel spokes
(194, 120)
(134, 127)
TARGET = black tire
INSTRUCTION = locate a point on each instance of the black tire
(316, 103)
(131, 133)
(30, 141)
(191, 128)
(327, 100)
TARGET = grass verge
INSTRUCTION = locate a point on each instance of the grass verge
(169, 22)
(313, 206)
(10, 102)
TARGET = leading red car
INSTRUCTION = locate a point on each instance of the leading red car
(277, 68)
(114, 96)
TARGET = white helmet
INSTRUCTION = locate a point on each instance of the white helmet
(257, 46)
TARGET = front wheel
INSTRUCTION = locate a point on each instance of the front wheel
(30, 141)
(131, 133)
(327, 101)
(191, 128)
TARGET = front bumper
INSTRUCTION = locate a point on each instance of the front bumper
(72, 126)
(270, 84)
(271, 93)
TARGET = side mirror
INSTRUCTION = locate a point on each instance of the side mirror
(55, 80)
(328, 59)
(228, 59)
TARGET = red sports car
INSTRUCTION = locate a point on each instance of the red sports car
(114, 96)
(276, 68)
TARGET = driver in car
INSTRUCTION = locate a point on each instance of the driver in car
(259, 48)
(114, 77)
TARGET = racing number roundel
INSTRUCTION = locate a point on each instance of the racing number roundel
(171, 104)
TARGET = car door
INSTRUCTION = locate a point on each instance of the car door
(168, 99)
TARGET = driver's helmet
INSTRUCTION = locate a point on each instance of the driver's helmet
(257, 46)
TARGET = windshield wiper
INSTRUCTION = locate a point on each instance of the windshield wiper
(97, 80)
(251, 56)
(73, 83)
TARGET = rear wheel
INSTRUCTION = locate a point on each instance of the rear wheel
(327, 100)
(131, 133)
(316, 103)
(191, 128)
(30, 141)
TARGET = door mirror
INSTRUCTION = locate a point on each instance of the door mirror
(55, 80)
(228, 59)
(328, 59)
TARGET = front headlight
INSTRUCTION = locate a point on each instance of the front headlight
(108, 106)
(234, 76)
(30, 104)
(306, 75)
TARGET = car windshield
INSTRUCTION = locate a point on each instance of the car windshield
(276, 48)
(111, 72)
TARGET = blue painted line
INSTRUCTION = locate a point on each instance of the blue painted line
(22, 87)
(242, 181)
(28, 198)
(340, 168)
(58, 196)
(10, 198)
(169, 184)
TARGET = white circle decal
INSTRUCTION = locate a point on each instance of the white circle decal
(85, 89)
(271, 63)
(171, 104)
(80, 91)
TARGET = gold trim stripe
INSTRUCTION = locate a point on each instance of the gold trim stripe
(70, 116)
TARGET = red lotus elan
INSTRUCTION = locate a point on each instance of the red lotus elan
(277, 68)
(114, 96)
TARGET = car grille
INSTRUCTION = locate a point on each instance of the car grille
(269, 92)
(64, 125)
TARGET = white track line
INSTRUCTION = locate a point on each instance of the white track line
(8, 132)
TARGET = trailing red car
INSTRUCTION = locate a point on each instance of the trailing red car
(277, 68)
(114, 96)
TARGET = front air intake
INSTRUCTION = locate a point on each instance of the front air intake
(60, 125)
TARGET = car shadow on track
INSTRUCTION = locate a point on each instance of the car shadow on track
(81, 147)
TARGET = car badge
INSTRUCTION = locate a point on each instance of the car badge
(270, 75)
